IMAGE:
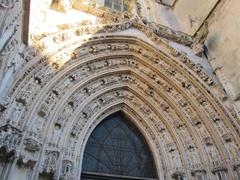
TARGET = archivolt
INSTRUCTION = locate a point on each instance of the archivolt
(138, 120)
(174, 106)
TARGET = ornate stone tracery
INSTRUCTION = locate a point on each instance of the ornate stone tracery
(69, 84)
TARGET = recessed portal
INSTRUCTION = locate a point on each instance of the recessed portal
(117, 150)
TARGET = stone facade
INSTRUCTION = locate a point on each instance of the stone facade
(57, 88)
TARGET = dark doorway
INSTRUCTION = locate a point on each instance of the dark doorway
(117, 150)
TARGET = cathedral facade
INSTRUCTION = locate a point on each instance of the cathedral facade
(119, 89)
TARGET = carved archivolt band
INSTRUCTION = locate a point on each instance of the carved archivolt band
(60, 98)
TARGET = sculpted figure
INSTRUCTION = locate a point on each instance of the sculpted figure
(221, 127)
(199, 40)
(37, 127)
(70, 147)
(55, 135)
(202, 130)
(175, 160)
(212, 153)
(233, 150)
(66, 169)
(68, 109)
(50, 162)
(16, 112)
(194, 157)
(52, 96)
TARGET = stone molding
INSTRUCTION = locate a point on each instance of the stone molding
(177, 109)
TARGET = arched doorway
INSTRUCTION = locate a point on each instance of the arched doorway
(117, 150)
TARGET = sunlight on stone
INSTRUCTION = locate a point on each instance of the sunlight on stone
(55, 20)
(119, 89)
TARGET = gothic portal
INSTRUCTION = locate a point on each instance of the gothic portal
(119, 89)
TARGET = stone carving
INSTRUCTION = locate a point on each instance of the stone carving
(198, 42)
(52, 96)
(29, 54)
(15, 113)
(186, 85)
(164, 31)
(233, 150)
(7, 3)
(43, 110)
(27, 160)
(202, 100)
(31, 144)
(71, 144)
(213, 153)
(10, 137)
(218, 166)
(55, 137)
(67, 170)
(2, 109)
(49, 162)
(37, 128)
(194, 158)
(105, 72)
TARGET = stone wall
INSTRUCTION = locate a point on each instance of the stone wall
(223, 44)
(191, 14)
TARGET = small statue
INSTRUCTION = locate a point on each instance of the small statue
(202, 33)
(200, 38)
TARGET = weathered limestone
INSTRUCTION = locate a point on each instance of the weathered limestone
(70, 80)
(223, 45)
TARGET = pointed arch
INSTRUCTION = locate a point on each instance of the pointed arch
(176, 92)
(117, 148)
(137, 120)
